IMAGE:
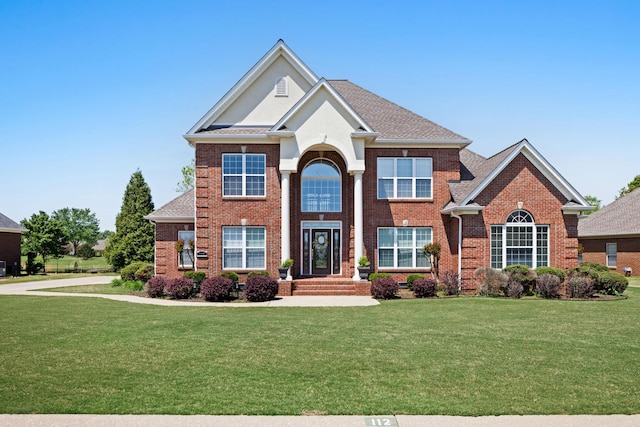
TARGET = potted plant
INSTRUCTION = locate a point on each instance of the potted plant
(364, 267)
(284, 268)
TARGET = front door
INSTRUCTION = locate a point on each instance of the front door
(321, 251)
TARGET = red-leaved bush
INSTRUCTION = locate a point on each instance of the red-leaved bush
(179, 288)
(216, 289)
(548, 286)
(260, 288)
(425, 288)
(450, 282)
(385, 288)
(155, 286)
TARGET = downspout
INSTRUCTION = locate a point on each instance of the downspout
(459, 218)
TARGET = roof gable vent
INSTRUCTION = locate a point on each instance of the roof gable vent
(282, 87)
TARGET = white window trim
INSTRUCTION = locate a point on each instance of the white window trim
(337, 179)
(395, 248)
(244, 249)
(534, 247)
(611, 251)
(244, 176)
(395, 178)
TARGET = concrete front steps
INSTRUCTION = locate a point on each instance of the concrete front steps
(339, 286)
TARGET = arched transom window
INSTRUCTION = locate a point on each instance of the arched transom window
(321, 187)
(519, 241)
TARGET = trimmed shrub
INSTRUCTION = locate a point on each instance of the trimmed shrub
(179, 288)
(524, 275)
(231, 275)
(384, 288)
(548, 286)
(412, 278)
(450, 282)
(551, 270)
(610, 283)
(216, 289)
(129, 272)
(425, 288)
(514, 289)
(490, 282)
(144, 273)
(592, 266)
(155, 286)
(197, 277)
(260, 288)
(86, 251)
(374, 276)
(579, 287)
(258, 273)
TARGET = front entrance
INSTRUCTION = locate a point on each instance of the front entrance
(321, 249)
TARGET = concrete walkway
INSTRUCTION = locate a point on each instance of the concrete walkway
(74, 420)
(32, 288)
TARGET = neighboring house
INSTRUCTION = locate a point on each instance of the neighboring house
(10, 237)
(611, 235)
(99, 247)
(290, 165)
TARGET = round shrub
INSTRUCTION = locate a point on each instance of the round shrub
(412, 278)
(523, 274)
(144, 273)
(579, 287)
(551, 270)
(548, 285)
(374, 276)
(179, 288)
(490, 282)
(155, 286)
(450, 282)
(260, 288)
(609, 283)
(216, 289)
(425, 288)
(514, 289)
(231, 275)
(258, 273)
(384, 288)
(129, 272)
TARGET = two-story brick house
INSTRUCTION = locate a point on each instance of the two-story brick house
(290, 165)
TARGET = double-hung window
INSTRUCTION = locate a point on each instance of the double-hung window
(243, 248)
(243, 175)
(405, 178)
(401, 247)
(519, 241)
(612, 255)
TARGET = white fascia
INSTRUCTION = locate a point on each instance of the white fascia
(165, 219)
(428, 143)
(463, 210)
(235, 138)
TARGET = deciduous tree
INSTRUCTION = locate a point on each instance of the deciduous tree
(635, 183)
(188, 177)
(44, 236)
(80, 226)
(133, 239)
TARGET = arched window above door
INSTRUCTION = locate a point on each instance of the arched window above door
(321, 187)
(519, 241)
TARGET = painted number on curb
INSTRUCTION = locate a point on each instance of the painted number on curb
(380, 421)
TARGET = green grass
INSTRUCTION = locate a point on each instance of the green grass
(68, 264)
(102, 288)
(457, 356)
(43, 277)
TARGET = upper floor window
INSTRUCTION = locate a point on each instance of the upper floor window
(519, 241)
(405, 178)
(282, 87)
(401, 247)
(243, 174)
(321, 187)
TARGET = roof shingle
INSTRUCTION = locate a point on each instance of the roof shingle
(619, 218)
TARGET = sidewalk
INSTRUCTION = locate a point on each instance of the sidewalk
(318, 421)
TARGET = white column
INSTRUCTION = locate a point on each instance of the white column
(357, 222)
(285, 219)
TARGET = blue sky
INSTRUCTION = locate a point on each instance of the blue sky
(92, 91)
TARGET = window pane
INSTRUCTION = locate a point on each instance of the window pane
(405, 237)
(232, 186)
(405, 168)
(385, 237)
(404, 188)
(522, 256)
(421, 260)
(232, 237)
(423, 237)
(232, 164)
(255, 186)
(423, 168)
(232, 258)
(385, 257)
(385, 168)
(255, 164)
(405, 257)
(255, 238)
(385, 188)
(255, 258)
(496, 246)
(542, 245)
(423, 188)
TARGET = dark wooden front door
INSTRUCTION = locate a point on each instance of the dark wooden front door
(321, 251)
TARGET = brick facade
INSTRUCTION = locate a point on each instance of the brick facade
(10, 250)
(628, 255)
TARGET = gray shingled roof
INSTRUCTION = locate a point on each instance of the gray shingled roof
(619, 218)
(235, 130)
(180, 208)
(7, 224)
(388, 119)
(473, 170)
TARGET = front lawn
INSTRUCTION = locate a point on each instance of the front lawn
(455, 356)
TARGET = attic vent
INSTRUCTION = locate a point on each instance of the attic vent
(282, 88)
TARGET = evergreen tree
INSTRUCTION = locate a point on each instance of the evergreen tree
(133, 239)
